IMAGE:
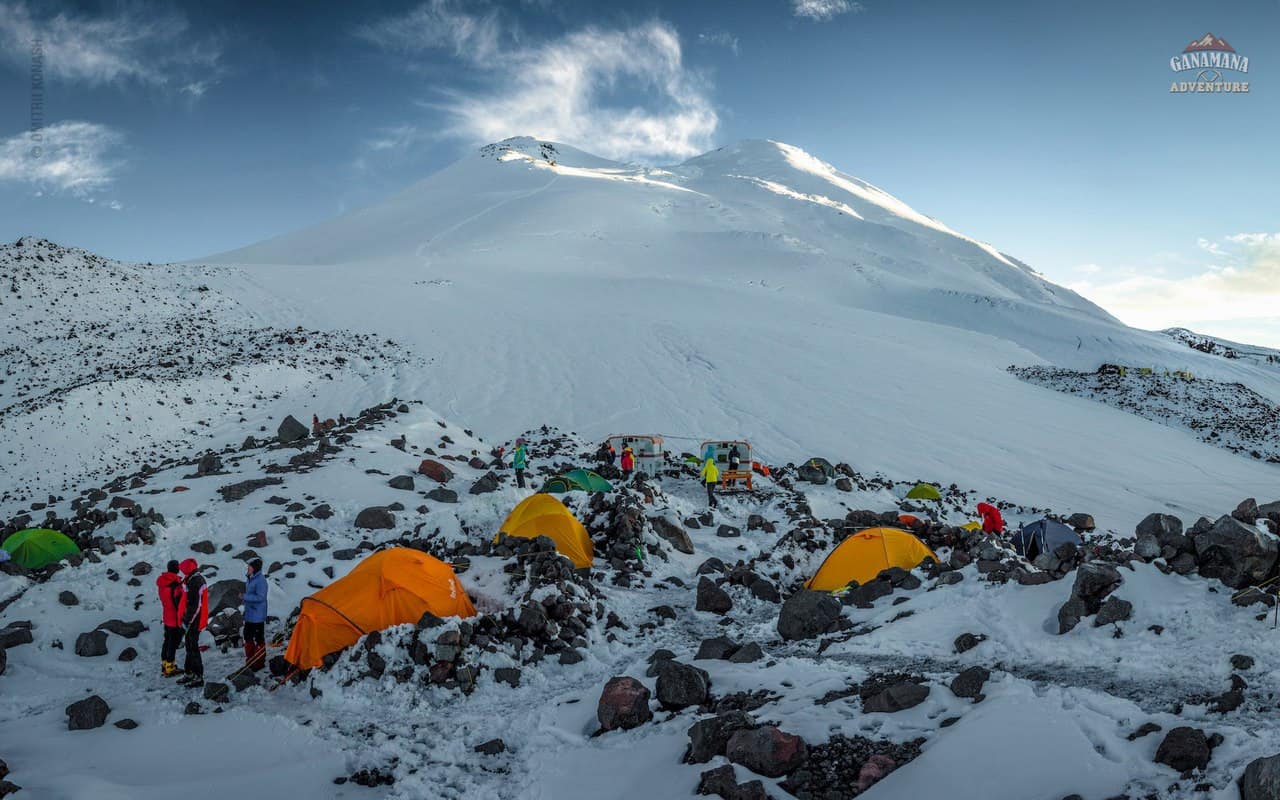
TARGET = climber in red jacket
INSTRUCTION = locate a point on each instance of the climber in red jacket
(195, 616)
(172, 603)
(992, 522)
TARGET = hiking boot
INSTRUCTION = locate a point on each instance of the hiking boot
(169, 669)
(192, 680)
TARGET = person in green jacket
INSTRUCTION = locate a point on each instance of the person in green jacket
(520, 460)
(711, 476)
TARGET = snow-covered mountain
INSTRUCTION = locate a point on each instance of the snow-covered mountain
(753, 292)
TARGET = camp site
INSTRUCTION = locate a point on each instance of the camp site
(663, 400)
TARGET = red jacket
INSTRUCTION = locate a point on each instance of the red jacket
(628, 460)
(173, 598)
(992, 522)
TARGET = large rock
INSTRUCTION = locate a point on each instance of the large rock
(442, 495)
(376, 518)
(709, 737)
(1113, 610)
(766, 750)
(487, 483)
(898, 697)
(1094, 581)
(401, 482)
(225, 594)
(435, 471)
(719, 648)
(1237, 554)
(807, 614)
(304, 533)
(1261, 779)
(239, 491)
(87, 714)
(624, 704)
(1070, 613)
(128, 630)
(1165, 529)
(1184, 749)
(680, 685)
(91, 644)
(712, 598)
(291, 430)
(672, 533)
(969, 684)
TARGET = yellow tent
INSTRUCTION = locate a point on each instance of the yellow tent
(390, 587)
(972, 526)
(544, 515)
(865, 555)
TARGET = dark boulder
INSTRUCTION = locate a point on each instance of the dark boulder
(624, 704)
(712, 598)
(91, 644)
(680, 686)
(1184, 749)
(128, 630)
(402, 482)
(898, 697)
(766, 750)
(487, 483)
(1094, 581)
(442, 495)
(87, 714)
(807, 614)
(1113, 610)
(968, 684)
(290, 430)
(1237, 554)
(719, 648)
(747, 654)
(304, 533)
(376, 518)
(967, 641)
(673, 534)
(1261, 779)
(709, 737)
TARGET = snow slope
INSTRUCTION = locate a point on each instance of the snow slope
(753, 292)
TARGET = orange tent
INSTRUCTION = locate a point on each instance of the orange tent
(865, 554)
(390, 587)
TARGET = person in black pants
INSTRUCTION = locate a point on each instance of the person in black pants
(194, 618)
(172, 595)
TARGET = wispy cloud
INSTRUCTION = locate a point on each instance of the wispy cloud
(720, 39)
(438, 24)
(823, 10)
(622, 93)
(391, 144)
(136, 44)
(72, 158)
(1242, 282)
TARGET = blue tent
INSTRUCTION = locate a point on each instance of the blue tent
(1043, 536)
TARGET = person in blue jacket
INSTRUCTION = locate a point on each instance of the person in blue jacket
(520, 460)
(255, 616)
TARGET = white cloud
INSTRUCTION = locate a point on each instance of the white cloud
(823, 10)
(568, 89)
(1088, 269)
(69, 158)
(559, 91)
(1242, 283)
(435, 25)
(391, 144)
(136, 44)
(720, 39)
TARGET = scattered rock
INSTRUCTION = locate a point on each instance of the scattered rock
(1237, 554)
(712, 598)
(1241, 662)
(969, 683)
(624, 704)
(87, 714)
(1113, 610)
(766, 750)
(402, 482)
(709, 737)
(68, 598)
(491, 748)
(91, 644)
(806, 614)
(898, 697)
(1184, 749)
(1261, 779)
(376, 518)
(435, 471)
(967, 641)
(487, 483)
(290, 430)
(680, 685)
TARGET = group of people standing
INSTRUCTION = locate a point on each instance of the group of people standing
(184, 600)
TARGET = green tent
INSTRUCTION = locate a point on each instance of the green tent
(924, 491)
(39, 547)
(589, 480)
(578, 480)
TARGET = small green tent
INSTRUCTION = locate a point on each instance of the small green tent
(578, 480)
(39, 547)
(924, 491)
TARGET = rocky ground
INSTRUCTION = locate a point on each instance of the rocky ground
(688, 659)
(1226, 415)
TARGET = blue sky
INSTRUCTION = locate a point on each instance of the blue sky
(173, 131)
